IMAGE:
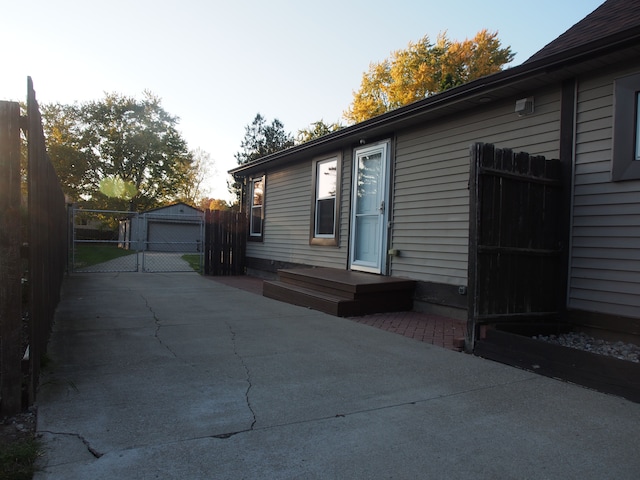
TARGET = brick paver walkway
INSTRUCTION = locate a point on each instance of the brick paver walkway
(435, 329)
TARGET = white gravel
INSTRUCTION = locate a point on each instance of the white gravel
(581, 341)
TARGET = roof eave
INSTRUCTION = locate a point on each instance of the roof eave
(476, 88)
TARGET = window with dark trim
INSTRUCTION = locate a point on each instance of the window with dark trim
(256, 216)
(626, 129)
(325, 201)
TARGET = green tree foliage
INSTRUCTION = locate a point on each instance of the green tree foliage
(213, 204)
(316, 130)
(260, 139)
(119, 152)
(62, 129)
(425, 68)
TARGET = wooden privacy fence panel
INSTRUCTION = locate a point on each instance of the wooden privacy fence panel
(225, 242)
(10, 262)
(48, 239)
(45, 234)
(514, 238)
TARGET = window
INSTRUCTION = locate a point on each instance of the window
(257, 208)
(626, 129)
(637, 126)
(324, 209)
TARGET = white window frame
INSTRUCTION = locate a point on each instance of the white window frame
(256, 235)
(327, 239)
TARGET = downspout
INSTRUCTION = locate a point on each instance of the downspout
(568, 109)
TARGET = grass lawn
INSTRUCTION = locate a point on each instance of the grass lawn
(95, 253)
(19, 447)
(193, 260)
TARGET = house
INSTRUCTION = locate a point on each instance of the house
(390, 196)
(174, 228)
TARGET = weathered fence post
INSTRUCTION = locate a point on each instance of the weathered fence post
(225, 240)
(514, 251)
(10, 272)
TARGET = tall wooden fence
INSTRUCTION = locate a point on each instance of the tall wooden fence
(10, 268)
(515, 255)
(225, 237)
(33, 251)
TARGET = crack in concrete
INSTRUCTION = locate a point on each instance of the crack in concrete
(249, 385)
(224, 436)
(86, 443)
(346, 414)
(158, 325)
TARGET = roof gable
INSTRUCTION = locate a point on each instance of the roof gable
(610, 18)
(173, 206)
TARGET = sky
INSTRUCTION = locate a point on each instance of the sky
(216, 64)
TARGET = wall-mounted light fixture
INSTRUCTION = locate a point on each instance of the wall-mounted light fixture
(524, 106)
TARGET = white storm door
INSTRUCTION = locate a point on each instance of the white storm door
(369, 209)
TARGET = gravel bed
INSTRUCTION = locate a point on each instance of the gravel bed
(582, 341)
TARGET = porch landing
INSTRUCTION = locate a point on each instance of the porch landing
(440, 331)
(342, 293)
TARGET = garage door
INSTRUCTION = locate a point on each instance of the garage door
(174, 237)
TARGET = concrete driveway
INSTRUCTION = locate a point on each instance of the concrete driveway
(173, 376)
(165, 262)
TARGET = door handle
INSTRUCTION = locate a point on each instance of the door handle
(381, 207)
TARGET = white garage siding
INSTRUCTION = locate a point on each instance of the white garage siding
(605, 249)
(431, 196)
(174, 228)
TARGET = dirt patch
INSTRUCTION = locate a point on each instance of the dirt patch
(18, 427)
(18, 445)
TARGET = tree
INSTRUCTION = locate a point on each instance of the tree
(423, 69)
(61, 124)
(119, 152)
(192, 191)
(213, 204)
(316, 130)
(260, 140)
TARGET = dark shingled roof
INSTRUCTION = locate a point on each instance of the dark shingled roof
(610, 18)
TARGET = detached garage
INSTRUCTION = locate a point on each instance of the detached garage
(175, 228)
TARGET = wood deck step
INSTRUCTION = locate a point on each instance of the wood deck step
(306, 297)
(340, 292)
(344, 283)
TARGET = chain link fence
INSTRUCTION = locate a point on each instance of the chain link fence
(168, 239)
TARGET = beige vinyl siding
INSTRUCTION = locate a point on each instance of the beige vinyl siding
(605, 248)
(345, 207)
(431, 175)
(288, 198)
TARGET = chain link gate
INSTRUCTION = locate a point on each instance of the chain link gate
(168, 239)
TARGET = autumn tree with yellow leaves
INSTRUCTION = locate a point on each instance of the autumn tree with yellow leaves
(425, 68)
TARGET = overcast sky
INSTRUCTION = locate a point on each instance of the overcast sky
(216, 64)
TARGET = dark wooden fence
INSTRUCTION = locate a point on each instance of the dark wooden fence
(33, 216)
(225, 242)
(10, 267)
(515, 256)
